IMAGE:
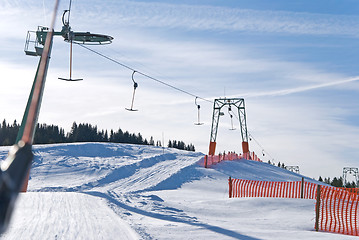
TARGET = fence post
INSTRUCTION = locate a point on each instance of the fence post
(230, 187)
(302, 189)
(317, 208)
(205, 161)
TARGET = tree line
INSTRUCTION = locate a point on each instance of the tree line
(335, 182)
(338, 182)
(83, 132)
(181, 145)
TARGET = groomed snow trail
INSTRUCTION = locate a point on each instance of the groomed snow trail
(124, 191)
(65, 215)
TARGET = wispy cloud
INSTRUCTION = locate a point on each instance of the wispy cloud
(301, 89)
(146, 14)
(195, 17)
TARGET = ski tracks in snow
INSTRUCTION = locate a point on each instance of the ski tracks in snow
(129, 196)
(117, 175)
(65, 215)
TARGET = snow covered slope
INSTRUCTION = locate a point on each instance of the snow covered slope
(124, 191)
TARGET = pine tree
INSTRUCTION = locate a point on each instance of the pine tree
(337, 182)
(350, 185)
(152, 142)
(193, 148)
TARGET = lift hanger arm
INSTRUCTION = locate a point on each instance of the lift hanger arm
(135, 85)
(198, 112)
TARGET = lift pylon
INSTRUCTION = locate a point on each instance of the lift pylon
(293, 169)
(38, 40)
(353, 171)
(231, 103)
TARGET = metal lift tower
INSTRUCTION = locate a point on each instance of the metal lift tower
(231, 103)
(353, 171)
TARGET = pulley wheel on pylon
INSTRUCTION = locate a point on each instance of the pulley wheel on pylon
(89, 38)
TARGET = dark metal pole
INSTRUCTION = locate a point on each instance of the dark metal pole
(14, 169)
(317, 208)
(230, 187)
(302, 189)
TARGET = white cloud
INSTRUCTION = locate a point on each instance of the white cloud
(301, 89)
(159, 15)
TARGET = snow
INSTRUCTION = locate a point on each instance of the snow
(66, 215)
(124, 191)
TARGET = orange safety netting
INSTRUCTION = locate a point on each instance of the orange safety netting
(214, 159)
(337, 210)
(252, 188)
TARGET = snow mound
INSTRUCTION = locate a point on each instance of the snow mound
(125, 191)
(98, 166)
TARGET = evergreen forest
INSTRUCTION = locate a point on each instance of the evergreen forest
(338, 182)
(83, 132)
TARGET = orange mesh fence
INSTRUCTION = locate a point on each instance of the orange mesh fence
(214, 159)
(351, 190)
(337, 210)
(251, 188)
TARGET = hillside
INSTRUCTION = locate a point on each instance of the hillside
(124, 191)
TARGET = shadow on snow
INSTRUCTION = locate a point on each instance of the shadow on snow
(192, 221)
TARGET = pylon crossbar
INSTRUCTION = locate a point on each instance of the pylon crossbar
(293, 168)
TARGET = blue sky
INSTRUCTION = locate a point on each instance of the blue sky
(294, 62)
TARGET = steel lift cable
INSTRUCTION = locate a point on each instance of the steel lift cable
(264, 152)
(143, 74)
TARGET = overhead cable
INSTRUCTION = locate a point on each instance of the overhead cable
(143, 74)
(251, 137)
(161, 82)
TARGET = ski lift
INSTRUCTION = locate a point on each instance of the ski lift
(198, 114)
(70, 79)
(79, 38)
(232, 128)
(229, 112)
(263, 152)
(70, 37)
(135, 85)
